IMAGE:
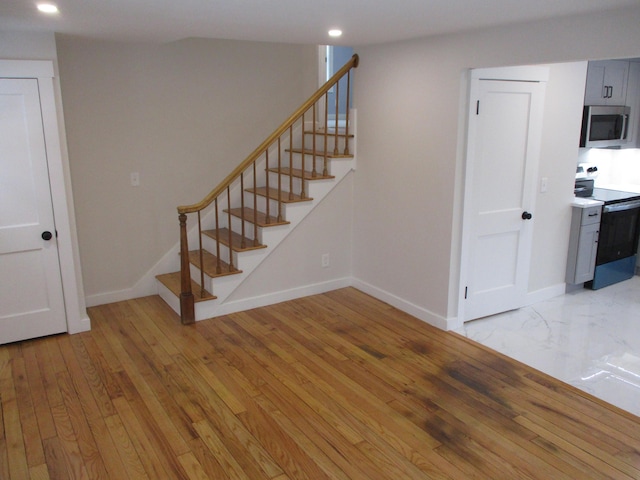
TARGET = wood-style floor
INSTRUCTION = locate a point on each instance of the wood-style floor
(333, 386)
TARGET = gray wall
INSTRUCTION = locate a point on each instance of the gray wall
(183, 115)
(411, 100)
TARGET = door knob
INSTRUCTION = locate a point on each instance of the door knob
(526, 216)
(47, 235)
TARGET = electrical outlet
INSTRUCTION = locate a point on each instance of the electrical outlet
(135, 179)
(325, 260)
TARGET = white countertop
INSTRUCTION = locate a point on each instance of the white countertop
(623, 187)
(580, 202)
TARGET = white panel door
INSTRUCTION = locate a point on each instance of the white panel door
(504, 137)
(31, 297)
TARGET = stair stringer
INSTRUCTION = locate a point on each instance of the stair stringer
(248, 261)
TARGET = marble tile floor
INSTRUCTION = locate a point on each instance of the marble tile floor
(589, 339)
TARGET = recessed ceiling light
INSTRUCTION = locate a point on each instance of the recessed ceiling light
(48, 8)
(335, 33)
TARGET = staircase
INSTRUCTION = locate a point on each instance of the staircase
(254, 209)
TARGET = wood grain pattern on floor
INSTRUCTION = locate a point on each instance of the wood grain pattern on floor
(332, 386)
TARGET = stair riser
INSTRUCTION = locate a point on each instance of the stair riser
(297, 182)
(262, 204)
(209, 244)
(331, 141)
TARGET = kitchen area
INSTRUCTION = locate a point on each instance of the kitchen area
(605, 224)
(590, 336)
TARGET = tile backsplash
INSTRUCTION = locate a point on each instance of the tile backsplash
(618, 169)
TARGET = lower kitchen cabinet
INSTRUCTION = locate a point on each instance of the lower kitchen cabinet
(583, 244)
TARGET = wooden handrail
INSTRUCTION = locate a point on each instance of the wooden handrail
(206, 201)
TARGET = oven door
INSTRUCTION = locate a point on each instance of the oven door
(619, 230)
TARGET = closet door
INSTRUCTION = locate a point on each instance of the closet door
(31, 296)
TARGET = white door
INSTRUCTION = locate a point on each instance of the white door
(31, 298)
(505, 122)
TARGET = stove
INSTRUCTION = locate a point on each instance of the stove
(610, 197)
(616, 256)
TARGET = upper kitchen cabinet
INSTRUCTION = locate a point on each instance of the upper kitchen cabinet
(607, 82)
(633, 101)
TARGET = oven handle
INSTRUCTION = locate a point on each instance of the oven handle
(619, 207)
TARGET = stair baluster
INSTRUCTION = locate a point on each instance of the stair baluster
(335, 145)
(255, 199)
(314, 173)
(218, 267)
(346, 124)
(279, 219)
(201, 255)
(242, 243)
(229, 215)
(290, 163)
(325, 170)
(303, 194)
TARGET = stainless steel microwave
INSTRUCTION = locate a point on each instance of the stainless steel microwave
(604, 126)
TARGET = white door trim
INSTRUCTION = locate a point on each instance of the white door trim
(518, 73)
(60, 181)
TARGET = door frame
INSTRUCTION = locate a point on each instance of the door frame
(528, 73)
(60, 182)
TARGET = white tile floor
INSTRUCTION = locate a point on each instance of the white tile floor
(589, 339)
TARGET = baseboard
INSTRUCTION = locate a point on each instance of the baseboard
(83, 325)
(406, 306)
(282, 296)
(545, 293)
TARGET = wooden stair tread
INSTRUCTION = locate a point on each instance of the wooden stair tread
(330, 132)
(210, 264)
(297, 172)
(307, 151)
(251, 216)
(236, 240)
(174, 283)
(285, 197)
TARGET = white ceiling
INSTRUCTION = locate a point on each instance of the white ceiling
(293, 21)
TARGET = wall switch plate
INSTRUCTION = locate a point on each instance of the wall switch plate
(544, 184)
(325, 260)
(135, 179)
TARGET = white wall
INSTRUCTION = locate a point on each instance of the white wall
(183, 115)
(408, 190)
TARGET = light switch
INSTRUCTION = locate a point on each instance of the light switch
(544, 184)
(135, 179)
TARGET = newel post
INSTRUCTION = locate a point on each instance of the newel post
(187, 308)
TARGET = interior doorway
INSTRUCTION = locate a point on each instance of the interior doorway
(503, 147)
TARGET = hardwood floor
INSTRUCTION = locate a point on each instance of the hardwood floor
(334, 386)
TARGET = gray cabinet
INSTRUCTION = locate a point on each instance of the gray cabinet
(607, 82)
(583, 244)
